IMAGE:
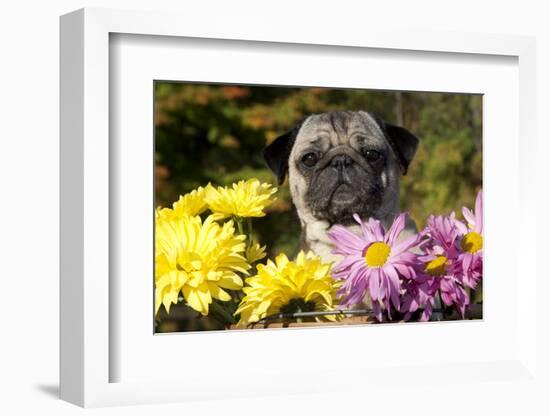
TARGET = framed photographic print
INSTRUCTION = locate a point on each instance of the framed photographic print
(311, 207)
(223, 154)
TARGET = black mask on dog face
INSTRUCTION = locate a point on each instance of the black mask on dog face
(342, 163)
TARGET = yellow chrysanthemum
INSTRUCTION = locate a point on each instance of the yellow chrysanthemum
(255, 252)
(284, 286)
(197, 259)
(192, 203)
(243, 199)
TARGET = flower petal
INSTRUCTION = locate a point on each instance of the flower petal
(374, 284)
(468, 216)
(395, 285)
(405, 245)
(218, 293)
(231, 281)
(345, 240)
(376, 229)
(479, 212)
(397, 226)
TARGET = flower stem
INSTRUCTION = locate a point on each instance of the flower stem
(441, 305)
(239, 222)
(249, 230)
(223, 313)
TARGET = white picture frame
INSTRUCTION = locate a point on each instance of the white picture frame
(87, 164)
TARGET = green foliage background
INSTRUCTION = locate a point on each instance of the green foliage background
(216, 133)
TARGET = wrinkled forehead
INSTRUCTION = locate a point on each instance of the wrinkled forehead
(337, 128)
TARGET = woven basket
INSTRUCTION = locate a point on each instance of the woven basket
(475, 312)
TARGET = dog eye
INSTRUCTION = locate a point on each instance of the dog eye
(372, 155)
(309, 159)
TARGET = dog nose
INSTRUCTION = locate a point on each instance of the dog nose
(341, 161)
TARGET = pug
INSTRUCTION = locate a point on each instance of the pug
(339, 164)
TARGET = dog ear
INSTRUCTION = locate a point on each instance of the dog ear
(402, 141)
(277, 153)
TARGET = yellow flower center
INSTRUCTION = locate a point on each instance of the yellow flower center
(437, 267)
(472, 242)
(377, 254)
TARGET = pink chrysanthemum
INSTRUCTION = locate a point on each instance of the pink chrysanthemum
(373, 263)
(470, 260)
(438, 272)
(418, 295)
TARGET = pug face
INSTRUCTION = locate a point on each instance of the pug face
(342, 163)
